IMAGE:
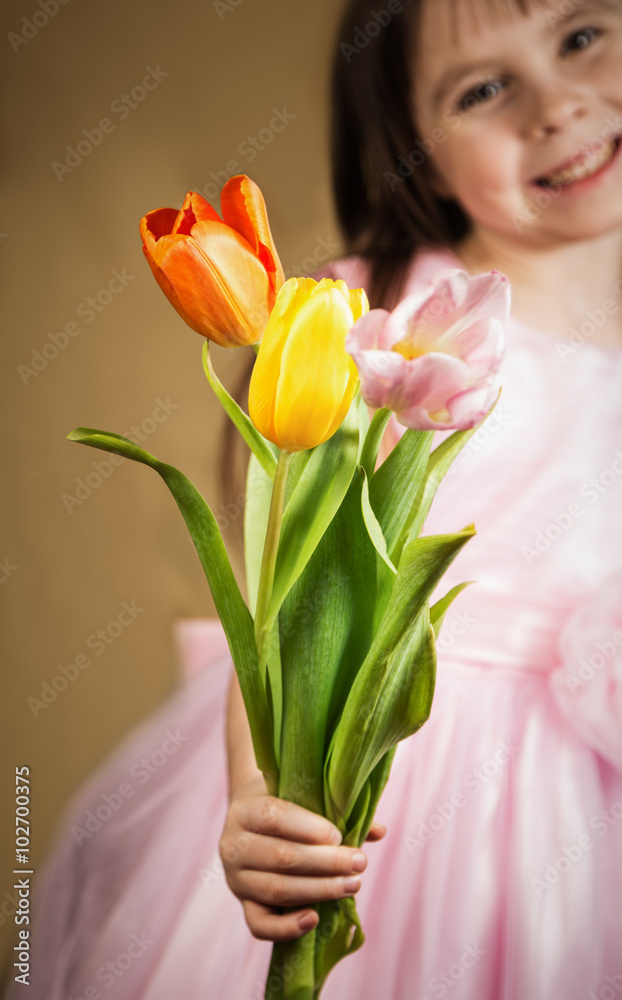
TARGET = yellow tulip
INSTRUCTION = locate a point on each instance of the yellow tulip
(303, 379)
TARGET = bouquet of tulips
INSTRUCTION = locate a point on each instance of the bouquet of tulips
(335, 649)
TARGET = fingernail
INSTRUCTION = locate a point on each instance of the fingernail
(335, 836)
(359, 862)
(307, 921)
(351, 884)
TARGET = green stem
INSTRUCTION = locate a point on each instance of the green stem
(268, 562)
(291, 975)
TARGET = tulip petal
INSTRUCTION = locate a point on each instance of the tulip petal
(314, 354)
(169, 291)
(359, 303)
(429, 382)
(443, 340)
(467, 408)
(264, 378)
(346, 402)
(417, 418)
(456, 297)
(219, 283)
(156, 224)
(153, 227)
(380, 372)
(365, 334)
(482, 346)
(244, 209)
(435, 316)
(194, 209)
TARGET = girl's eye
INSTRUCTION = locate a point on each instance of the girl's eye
(479, 94)
(581, 39)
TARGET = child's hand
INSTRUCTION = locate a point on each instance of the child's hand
(278, 854)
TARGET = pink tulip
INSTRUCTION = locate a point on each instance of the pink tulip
(433, 360)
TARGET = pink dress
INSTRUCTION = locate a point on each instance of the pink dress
(500, 877)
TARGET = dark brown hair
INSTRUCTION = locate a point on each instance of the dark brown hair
(385, 202)
(386, 215)
(385, 218)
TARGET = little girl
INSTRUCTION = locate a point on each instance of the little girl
(475, 135)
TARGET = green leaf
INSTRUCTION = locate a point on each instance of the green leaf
(392, 693)
(373, 526)
(316, 498)
(377, 781)
(232, 610)
(343, 935)
(362, 413)
(255, 441)
(297, 466)
(373, 440)
(326, 630)
(438, 610)
(438, 466)
(356, 819)
(395, 485)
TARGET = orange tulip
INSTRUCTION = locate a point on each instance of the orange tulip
(222, 277)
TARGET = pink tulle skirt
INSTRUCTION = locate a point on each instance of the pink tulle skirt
(500, 877)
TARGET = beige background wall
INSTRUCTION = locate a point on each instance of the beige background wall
(65, 572)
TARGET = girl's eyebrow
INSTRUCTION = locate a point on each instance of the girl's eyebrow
(559, 22)
(580, 6)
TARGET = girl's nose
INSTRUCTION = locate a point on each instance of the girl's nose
(553, 108)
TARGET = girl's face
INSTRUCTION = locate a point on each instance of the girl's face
(521, 115)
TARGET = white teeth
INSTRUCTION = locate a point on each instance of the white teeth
(588, 164)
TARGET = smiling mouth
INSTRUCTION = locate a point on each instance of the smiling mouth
(584, 165)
